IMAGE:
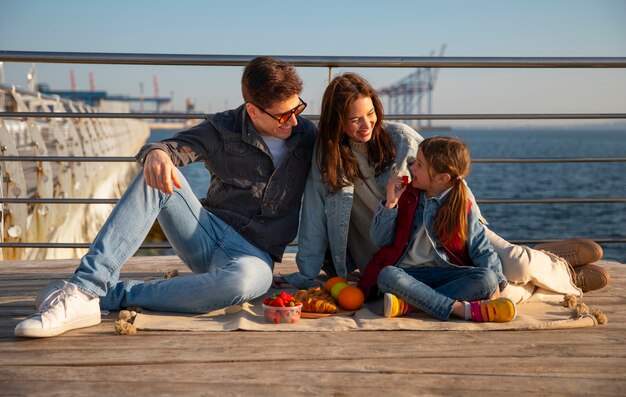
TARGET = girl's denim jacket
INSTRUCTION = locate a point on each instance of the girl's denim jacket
(479, 248)
(325, 216)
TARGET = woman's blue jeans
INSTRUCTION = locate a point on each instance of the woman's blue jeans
(435, 289)
(227, 268)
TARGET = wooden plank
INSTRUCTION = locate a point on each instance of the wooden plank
(78, 346)
(322, 378)
(524, 366)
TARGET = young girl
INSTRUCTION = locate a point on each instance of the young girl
(444, 263)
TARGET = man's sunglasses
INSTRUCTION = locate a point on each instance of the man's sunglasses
(283, 117)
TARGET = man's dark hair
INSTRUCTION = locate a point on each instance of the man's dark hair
(266, 81)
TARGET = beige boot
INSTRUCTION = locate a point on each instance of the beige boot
(591, 277)
(576, 251)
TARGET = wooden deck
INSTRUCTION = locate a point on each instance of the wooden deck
(95, 361)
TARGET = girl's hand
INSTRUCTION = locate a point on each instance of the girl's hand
(395, 188)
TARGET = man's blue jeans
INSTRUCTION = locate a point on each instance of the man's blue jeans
(435, 289)
(227, 268)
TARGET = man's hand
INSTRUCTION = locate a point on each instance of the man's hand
(159, 171)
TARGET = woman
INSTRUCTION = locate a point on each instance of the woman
(356, 153)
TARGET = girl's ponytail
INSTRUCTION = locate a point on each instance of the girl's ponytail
(451, 220)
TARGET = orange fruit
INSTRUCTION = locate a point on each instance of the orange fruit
(332, 281)
(351, 298)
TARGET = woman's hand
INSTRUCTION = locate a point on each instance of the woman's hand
(395, 188)
(160, 172)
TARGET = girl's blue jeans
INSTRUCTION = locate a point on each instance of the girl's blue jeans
(435, 289)
(227, 268)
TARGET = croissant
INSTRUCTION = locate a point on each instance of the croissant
(318, 293)
(319, 306)
(316, 300)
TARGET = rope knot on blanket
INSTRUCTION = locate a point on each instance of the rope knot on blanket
(581, 309)
(125, 326)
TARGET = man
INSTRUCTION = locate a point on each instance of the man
(259, 156)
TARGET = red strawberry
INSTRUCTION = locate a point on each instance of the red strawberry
(405, 180)
(278, 302)
(267, 301)
(286, 297)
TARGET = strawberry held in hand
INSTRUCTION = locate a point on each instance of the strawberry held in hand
(405, 180)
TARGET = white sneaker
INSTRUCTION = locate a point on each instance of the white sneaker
(47, 293)
(63, 310)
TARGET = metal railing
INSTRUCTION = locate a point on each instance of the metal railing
(329, 62)
(193, 116)
(313, 61)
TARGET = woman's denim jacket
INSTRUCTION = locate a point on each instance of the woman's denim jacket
(325, 217)
(479, 248)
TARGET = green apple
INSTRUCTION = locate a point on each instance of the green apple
(336, 289)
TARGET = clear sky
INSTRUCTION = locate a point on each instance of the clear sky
(579, 28)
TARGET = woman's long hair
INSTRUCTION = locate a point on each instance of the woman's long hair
(337, 163)
(450, 156)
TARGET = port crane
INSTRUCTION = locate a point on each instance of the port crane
(406, 95)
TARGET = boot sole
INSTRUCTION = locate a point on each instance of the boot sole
(387, 305)
(46, 333)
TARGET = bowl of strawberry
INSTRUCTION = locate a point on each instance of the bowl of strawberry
(281, 309)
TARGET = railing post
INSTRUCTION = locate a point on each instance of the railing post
(2, 93)
(12, 184)
(40, 225)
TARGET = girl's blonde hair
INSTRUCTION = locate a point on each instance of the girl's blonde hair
(446, 155)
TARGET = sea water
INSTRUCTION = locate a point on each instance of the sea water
(532, 181)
